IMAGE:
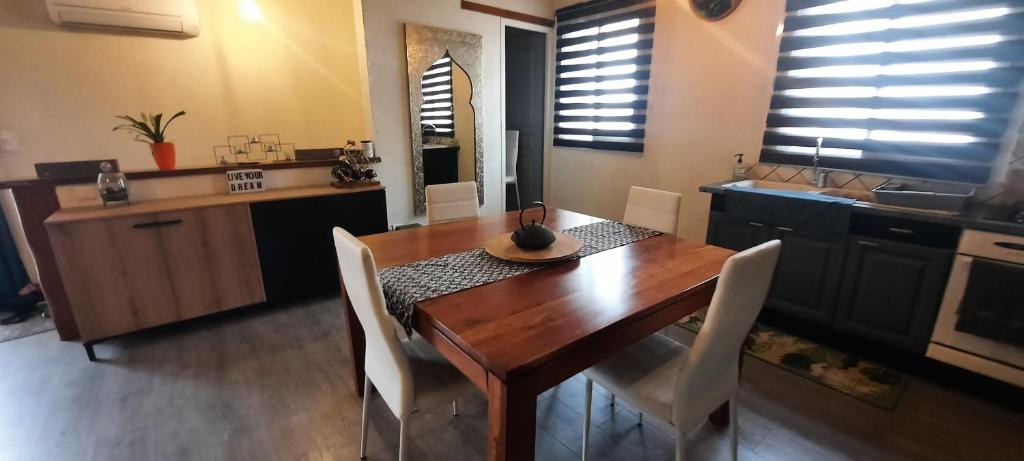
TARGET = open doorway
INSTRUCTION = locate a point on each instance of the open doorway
(525, 100)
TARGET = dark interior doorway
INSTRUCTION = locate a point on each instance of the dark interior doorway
(525, 64)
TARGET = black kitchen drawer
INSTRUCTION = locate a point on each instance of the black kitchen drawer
(905, 230)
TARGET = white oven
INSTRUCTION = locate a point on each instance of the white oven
(999, 360)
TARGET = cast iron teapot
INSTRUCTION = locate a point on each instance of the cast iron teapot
(533, 236)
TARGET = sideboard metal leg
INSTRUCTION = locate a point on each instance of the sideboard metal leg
(89, 351)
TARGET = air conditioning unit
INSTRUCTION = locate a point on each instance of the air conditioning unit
(176, 17)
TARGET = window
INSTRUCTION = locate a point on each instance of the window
(602, 67)
(437, 116)
(916, 88)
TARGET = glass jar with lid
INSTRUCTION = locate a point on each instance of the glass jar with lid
(112, 186)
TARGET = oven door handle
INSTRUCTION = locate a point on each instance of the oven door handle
(1010, 245)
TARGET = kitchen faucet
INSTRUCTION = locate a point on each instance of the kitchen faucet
(820, 177)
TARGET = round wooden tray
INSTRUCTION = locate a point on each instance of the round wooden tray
(502, 247)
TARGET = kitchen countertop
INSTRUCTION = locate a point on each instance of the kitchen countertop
(969, 220)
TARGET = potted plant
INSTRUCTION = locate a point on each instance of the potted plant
(151, 129)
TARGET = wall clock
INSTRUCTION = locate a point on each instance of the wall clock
(714, 10)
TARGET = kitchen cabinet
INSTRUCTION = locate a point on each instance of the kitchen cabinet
(809, 271)
(735, 234)
(440, 165)
(808, 275)
(295, 241)
(891, 291)
(159, 262)
(133, 272)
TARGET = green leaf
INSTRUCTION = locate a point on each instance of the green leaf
(796, 360)
(156, 126)
(179, 114)
(881, 375)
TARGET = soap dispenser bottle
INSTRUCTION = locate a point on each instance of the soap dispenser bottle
(740, 170)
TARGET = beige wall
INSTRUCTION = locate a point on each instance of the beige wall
(465, 127)
(710, 91)
(299, 74)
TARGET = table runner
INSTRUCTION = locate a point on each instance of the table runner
(408, 284)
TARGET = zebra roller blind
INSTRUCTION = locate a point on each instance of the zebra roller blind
(437, 115)
(917, 88)
(602, 68)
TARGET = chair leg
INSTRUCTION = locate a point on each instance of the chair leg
(588, 393)
(455, 408)
(734, 424)
(640, 419)
(680, 446)
(403, 440)
(367, 395)
(519, 200)
(613, 400)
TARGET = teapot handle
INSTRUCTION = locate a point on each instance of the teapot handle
(532, 205)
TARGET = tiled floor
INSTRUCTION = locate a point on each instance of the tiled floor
(273, 384)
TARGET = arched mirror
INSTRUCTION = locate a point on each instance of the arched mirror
(444, 90)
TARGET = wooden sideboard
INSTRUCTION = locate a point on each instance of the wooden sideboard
(153, 263)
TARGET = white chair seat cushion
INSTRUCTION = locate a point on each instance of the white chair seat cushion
(435, 381)
(644, 374)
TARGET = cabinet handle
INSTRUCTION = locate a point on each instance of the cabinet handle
(785, 229)
(147, 225)
(868, 244)
(1010, 245)
(900, 230)
(756, 224)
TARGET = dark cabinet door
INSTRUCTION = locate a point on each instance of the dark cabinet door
(808, 275)
(296, 247)
(440, 165)
(891, 291)
(727, 232)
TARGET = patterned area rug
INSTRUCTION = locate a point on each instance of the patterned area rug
(868, 381)
(33, 326)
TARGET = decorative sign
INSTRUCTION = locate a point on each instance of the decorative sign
(245, 181)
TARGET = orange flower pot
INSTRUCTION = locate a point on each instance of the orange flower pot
(164, 155)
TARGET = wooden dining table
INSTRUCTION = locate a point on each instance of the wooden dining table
(518, 337)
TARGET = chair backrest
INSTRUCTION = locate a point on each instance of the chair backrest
(511, 152)
(448, 202)
(654, 209)
(711, 374)
(386, 363)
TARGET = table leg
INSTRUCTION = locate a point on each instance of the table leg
(511, 421)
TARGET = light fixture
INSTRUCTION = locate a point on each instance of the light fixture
(250, 10)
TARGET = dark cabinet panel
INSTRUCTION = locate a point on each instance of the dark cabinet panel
(727, 232)
(808, 275)
(295, 244)
(440, 165)
(891, 291)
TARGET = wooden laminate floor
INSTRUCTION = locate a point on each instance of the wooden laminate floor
(271, 383)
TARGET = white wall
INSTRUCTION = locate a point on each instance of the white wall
(389, 95)
(710, 91)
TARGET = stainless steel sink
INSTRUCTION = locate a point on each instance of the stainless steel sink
(861, 196)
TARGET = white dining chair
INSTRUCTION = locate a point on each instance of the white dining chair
(682, 386)
(511, 162)
(448, 202)
(411, 376)
(653, 209)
